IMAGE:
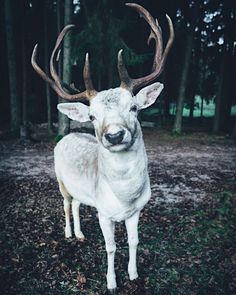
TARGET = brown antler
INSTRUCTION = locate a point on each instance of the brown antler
(56, 82)
(159, 58)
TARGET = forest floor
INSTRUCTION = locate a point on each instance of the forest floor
(187, 230)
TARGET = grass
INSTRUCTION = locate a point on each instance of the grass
(193, 254)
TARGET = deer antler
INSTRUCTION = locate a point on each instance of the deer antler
(56, 82)
(159, 58)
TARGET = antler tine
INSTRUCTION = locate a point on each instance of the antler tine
(157, 36)
(155, 33)
(36, 66)
(87, 79)
(58, 43)
(43, 75)
(126, 81)
(159, 58)
(56, 82)
(170, 40)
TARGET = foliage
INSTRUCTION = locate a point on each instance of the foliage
(101, 37)
(107, 26)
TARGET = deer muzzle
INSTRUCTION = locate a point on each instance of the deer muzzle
(115, 138)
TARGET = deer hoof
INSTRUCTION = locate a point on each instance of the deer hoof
(80, 237)
(68, 233)
(133, 276)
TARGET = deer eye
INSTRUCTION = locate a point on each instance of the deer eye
(91, 118)
(133, 108)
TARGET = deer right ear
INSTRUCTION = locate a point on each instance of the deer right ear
(148, 95)
(75, 111)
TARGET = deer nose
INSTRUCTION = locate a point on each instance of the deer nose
(115, 138)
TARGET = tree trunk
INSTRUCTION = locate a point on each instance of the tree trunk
(12, 71)
(216, 122)
(202, 107)
(183, 83)
(195, 80)
(191, 107)
(99, 82)
(224, 97)
(59, 28)
(46, 63)
(24, 130)
(171, 7)
(177, 128)
(64, 123)
(166, 107)
(228, 93)
(233, 135)
(163, 100)
(109, 76)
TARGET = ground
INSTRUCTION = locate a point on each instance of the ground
(187, 230)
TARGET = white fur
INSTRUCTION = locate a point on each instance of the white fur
(112, 178)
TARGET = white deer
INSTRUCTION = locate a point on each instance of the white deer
(108, 171)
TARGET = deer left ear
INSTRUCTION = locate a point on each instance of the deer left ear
(148, 95)
(75, 111)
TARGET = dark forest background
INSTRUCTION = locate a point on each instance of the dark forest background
(187, 229)
(199, 77)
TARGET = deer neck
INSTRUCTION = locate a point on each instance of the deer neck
(126, 171)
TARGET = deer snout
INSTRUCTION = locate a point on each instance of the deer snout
(115, 138)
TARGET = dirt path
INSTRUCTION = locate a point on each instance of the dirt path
(190, 167)
(180, 168)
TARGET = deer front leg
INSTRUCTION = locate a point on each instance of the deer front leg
(132, 231)
(75, 210)
(108, 228)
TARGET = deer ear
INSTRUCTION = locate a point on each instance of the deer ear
(75, 111)
(148, 95)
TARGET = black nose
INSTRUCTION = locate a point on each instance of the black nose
(115, 138)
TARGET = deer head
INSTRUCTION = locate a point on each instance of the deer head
(114, 111)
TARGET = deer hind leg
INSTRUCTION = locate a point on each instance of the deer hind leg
(67, 204)
(75, 210)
